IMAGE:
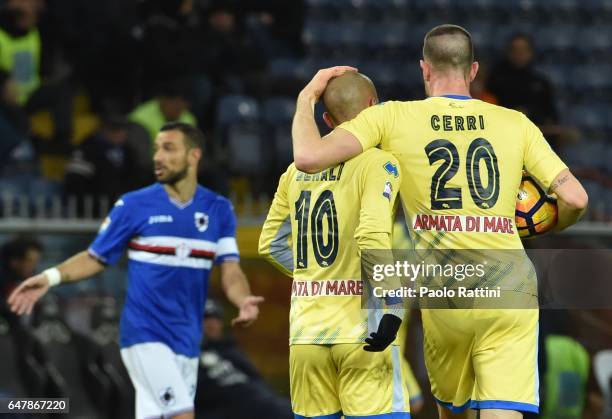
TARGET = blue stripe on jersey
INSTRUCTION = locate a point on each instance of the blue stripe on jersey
(168, 273)
(458, 97)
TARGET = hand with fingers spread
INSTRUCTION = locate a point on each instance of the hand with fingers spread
(315, 88)
(249, 311)
(23, 298)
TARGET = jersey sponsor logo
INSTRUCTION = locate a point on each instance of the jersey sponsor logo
(156, 219)
(391, 169)
(463, 223)
(201, 221)
(388, 191)
(330, 288)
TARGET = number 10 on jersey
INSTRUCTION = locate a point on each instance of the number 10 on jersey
(324, 246)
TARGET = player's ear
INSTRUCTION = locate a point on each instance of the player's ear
(196, 152)
(328, 120)
(425, 69)
(474, 70)
(373, 101)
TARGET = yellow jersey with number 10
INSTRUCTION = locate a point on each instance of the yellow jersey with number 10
(314, 231)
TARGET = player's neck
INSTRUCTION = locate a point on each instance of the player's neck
(445, 87)
(183, 190)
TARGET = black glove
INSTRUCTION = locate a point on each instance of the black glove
(385, 335)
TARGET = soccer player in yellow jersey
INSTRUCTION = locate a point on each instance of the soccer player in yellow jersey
(460, 158)
(315, 230)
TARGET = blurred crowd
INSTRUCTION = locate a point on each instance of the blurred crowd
(84, 87)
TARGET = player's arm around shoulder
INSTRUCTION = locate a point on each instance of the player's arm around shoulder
(275, 237)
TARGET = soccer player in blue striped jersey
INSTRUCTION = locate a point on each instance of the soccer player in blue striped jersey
(174, 231)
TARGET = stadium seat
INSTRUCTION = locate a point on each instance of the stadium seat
(590, 116)
(557, 74)
(103, 358)
(11, 379)
(592, 79)
(595, 41)
(55, 347)
(236, 108)
(246, 149)
(278, 115)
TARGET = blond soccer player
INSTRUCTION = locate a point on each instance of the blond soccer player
(315, 230)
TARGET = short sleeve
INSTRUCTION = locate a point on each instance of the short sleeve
(380, 181)
(114, 233)
(371, 126)
(540, 160)
(227, 246)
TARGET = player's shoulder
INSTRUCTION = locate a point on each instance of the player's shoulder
(139, 195)
(208, 196)
(377, 155)
(377, 158)
(507, 113)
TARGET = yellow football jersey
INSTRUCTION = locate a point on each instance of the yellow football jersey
(462, 161)
(314, 231)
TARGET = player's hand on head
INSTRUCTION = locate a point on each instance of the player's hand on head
(249, 311)
(315, 88)
(23, 298)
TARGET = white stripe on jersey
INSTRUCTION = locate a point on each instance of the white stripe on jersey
(173, 241)
(170, 260)
(227, 246)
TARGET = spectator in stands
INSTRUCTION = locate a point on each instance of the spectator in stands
(170, 105)
(226, 375)
(231, 57)
(103, 166)
(283, 22)
(19, 259)
(22, 53)
(517, 85)
(13, 121)
(172, 41)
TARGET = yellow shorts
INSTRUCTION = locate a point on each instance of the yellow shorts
(414, 390)
(483, 359)
(328, 381)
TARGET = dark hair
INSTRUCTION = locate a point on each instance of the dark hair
(454, 51)
(17, 247)
(194, 138)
